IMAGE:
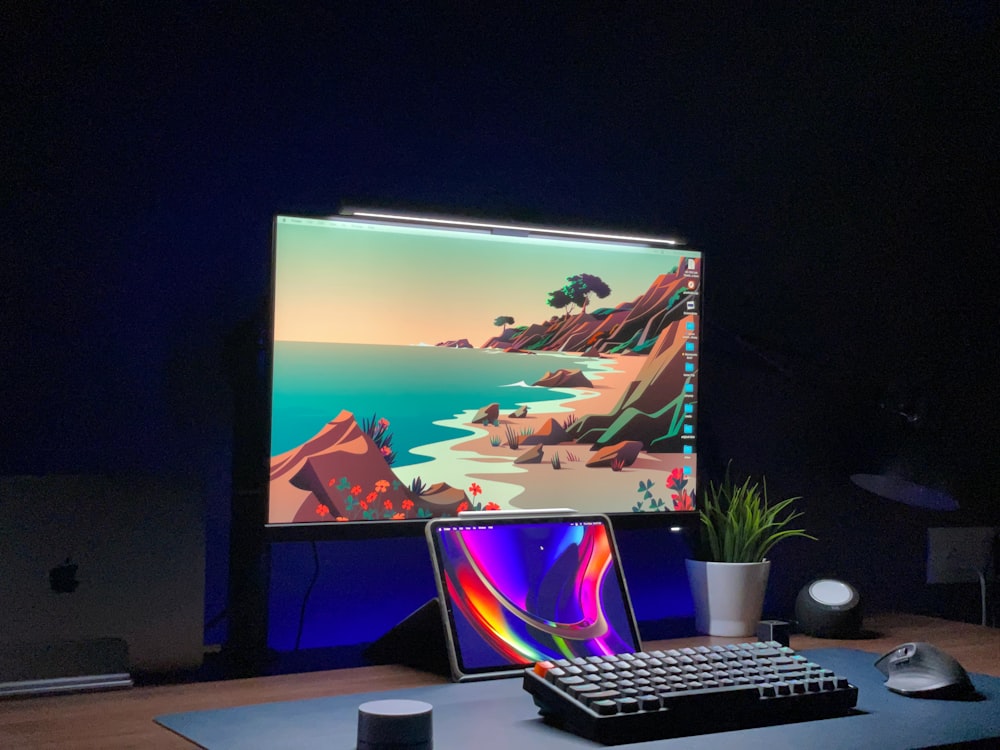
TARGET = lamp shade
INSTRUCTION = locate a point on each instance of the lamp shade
(894, 487)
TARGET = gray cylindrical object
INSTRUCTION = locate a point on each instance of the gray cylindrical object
(395, 725)
(829, 608)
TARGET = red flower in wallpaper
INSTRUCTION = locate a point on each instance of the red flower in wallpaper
(491, 506)
(682, 501)
(676, 480)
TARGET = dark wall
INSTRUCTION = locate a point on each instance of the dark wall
(839, 171)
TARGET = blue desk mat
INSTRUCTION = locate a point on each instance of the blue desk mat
(500, 715)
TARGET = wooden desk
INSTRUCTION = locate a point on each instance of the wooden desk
(124, 719)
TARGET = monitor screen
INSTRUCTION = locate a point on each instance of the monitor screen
(422, 367)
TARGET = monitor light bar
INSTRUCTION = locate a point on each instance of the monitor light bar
(515, 228)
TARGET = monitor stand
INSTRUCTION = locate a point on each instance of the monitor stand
(417, 641)
(64, 667)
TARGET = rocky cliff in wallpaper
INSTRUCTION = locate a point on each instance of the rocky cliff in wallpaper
(643, 414)
(341, 474)
(630, 326)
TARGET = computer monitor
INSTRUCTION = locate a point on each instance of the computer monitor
(424, 366)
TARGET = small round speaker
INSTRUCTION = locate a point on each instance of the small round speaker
(828, 608)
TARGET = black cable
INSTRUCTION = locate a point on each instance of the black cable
(305, 599)
(217, 619)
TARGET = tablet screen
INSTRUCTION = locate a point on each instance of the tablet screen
(515, 590)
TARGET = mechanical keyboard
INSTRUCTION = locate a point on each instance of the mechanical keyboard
(657, 694)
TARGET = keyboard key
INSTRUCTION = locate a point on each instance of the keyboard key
(649, 702)
(628, 705)
(601, 695)
(582, 689)
(605, 707)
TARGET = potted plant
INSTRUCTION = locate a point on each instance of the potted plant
(728, 576)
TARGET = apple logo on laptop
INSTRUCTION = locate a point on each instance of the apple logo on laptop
(62, 578)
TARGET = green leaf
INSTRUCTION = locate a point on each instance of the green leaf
(739, 524)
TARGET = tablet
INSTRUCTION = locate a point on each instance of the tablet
(516, 589)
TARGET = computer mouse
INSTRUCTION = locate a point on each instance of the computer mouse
(922, 670)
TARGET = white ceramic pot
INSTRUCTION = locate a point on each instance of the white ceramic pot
(728, 597)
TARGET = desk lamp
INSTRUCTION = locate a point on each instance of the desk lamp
(912, 441)
(898, 488)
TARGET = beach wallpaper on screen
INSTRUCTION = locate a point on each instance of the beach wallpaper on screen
(421, 372)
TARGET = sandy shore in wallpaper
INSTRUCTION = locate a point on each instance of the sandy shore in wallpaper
(501, 480)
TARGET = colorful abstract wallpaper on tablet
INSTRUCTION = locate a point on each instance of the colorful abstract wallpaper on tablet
(420, 372)
(524, 592)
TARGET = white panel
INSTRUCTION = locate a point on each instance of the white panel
(956, 554)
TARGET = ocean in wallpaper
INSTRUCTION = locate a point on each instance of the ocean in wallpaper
(413, 387)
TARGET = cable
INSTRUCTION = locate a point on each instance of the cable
(982, 596)
(217, 619)
(305, 599)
